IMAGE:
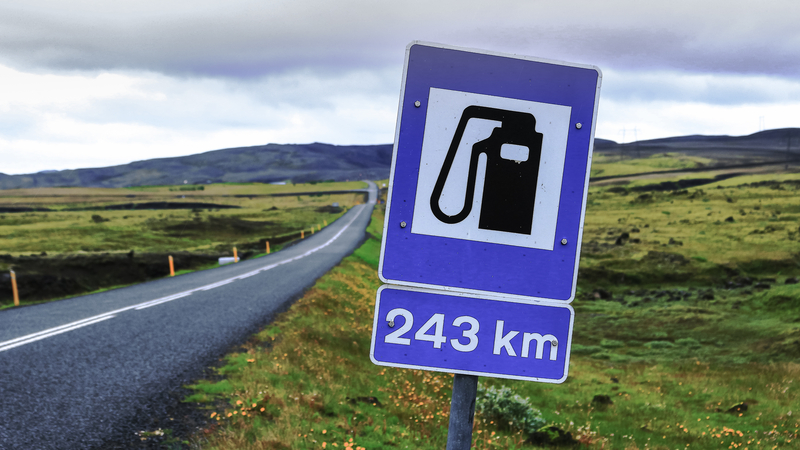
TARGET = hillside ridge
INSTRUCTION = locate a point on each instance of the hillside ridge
(319, 161)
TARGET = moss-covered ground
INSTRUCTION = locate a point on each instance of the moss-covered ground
(687, 335)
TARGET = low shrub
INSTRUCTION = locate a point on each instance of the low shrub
(504, 406)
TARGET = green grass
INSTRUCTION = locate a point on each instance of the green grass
(609, 164)
(693, 330)
(258, 216)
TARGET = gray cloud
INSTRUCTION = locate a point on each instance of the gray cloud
(680, 87)
(242, 39)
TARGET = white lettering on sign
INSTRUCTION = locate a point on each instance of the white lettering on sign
(472, 334)
(437, 338)
(394, 337)
(540, 341)
(433, 331)
(503, 342)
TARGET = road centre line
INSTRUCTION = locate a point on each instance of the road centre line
(27, 339)
(40, 335)
(159, 301)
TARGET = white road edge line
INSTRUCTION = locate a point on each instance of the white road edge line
(7, 345)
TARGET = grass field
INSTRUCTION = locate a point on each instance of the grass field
(687, 335)
(235, 212)
(68, 241)
(609, 164)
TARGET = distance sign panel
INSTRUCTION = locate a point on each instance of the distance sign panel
(434, 330)
(489, 173)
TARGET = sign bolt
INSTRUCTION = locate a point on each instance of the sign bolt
(578, 125)
(417, 103)
(564, 241)
(554, 343)
(403, 224)
(391, 324)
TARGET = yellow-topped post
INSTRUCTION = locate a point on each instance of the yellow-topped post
(235, 256)
(268, 247)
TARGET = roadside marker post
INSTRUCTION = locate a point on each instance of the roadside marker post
(302, 234)
(171, 267)
(235, 256)
(14, 290)
(484, 219)
(268, 247)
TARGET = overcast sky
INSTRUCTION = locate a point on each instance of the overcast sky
(95, 83)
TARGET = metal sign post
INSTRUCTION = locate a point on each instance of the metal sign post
(484, 219)
(462, 412)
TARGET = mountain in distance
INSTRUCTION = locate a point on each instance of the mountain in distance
(317, 162)
(767, 146)
(264, 163)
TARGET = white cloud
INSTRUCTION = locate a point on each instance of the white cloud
(657, 119)
(711, 88)
(96, 119)
(90, 82)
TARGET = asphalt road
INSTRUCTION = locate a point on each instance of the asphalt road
(91, 371)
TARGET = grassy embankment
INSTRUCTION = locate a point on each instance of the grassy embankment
(72, 248)
(678, 324)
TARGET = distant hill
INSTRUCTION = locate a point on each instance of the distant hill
(317, 162)
(264, 163)
(765, 146)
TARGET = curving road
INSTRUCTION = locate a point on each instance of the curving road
(91, 371)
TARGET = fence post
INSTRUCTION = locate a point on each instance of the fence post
(268, 247)
(14, 288)
(235, 256)
(171, 267)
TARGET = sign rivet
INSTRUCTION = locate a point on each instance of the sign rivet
(564, 241)
(391, 324)
(554, 343)
(403, 224)
(578, 125)
(417, 103)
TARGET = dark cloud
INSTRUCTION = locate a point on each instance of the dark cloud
(244, 39)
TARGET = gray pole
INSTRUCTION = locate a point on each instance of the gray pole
(462, 412)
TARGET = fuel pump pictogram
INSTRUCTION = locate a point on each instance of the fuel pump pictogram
(509, 189)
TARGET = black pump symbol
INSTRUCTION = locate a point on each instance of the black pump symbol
(509, 189)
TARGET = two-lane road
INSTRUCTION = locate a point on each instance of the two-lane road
(90, 371)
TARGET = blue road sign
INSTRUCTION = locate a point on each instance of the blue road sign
(489, 174)
(435, 330)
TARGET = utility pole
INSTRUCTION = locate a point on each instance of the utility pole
(636, 142)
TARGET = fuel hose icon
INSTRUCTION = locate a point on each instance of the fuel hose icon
(509, 190)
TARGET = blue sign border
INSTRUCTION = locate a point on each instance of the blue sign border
(476, 267)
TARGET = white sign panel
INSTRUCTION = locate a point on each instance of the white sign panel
(446, 110)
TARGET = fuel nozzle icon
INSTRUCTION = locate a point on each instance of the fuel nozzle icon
(509, 189)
